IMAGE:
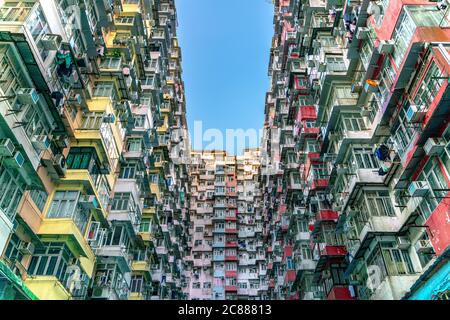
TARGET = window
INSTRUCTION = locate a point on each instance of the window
(433, 174)
(397, 261)
(352, 122)
(379, 203)
(139, 121)
(39, 198)
(124, 202)
(335, 63)
(404, 133)
(146, 225)
(51, 260)
(83, 158)
(110, 63)
(402, 36)
(92, 120)
(128, 171)
(135, 145)
(306, 252)
(429, 86)
(11, 191)
(117, 236)
(64, 205)
(125, 20)
(105, 89)
(12, 250)
(137, 283)
(364, 158)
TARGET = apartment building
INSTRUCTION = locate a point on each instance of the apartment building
(93, 151)
(227, 256)
(355, 154)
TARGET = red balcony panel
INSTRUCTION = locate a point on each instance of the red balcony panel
(327, 215)
(438, 224)
(231, 244)
(333, 251)
(340, 293)
(311, 130)
(314, 155)
(282, 208)
(269, 249)
(293, 296)
(306, 113)
(231, 273)
(227, 230)
(230, 288)
(270, 266)
(290, 276)
(231, 258)
(320, 184)
(287, 252)
(271, 283)
(230, 218)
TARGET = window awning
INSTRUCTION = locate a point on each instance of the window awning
(18, 284)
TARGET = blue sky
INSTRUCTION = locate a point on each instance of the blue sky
(225, 49)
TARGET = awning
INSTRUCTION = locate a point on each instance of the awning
(6, 272)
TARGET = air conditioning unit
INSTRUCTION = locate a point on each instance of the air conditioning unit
(434, 146)
(75, 99)
(366, 111)
(415, 113)
(26, 247)
(362, 33)
(16, 161)
(109, 118)
(316, 85)
(418, 188)
(51, 42)
(88, 202)
(101, 293)
(6, 147)
(423, 246)
(341, 169)
(386, 46)
(403, 243)
(356, 87)
(322, 67)
(27, 96)
(60, 165)
(41, 142)
(62, 141)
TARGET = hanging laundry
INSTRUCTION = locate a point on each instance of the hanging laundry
(382, 153)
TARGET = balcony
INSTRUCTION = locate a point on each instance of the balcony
(231, 288)
(327, 215)
(333, 250)
(47, 288)
(119, 252)
(340, 293)
(319, 184)
(161, 250)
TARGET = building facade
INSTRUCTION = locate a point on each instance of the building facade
(355, 154)
(227, 251)
(347, 198)
(93, 147)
